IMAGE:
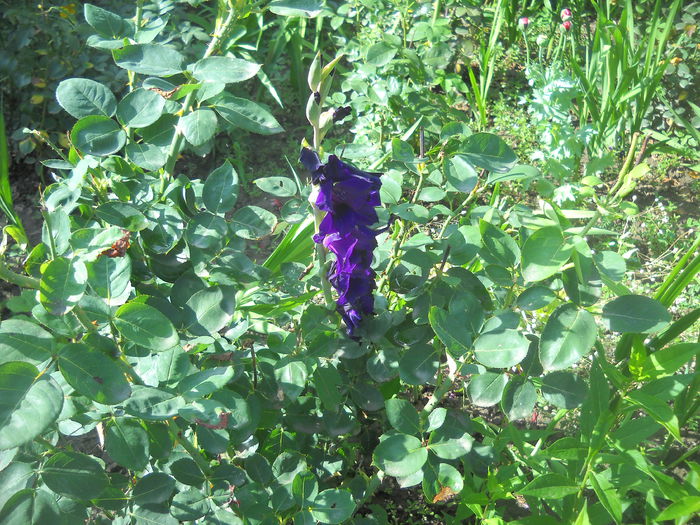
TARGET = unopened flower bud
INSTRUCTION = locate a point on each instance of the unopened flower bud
(523, 23)
(566, 25)
(541, 39)
(566, 14)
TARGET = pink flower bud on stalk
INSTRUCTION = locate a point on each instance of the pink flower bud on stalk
(523, 22)
(566, 25)
(566, 14)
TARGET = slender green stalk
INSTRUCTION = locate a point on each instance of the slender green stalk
(179, 437)
(176, 145)
(22, 281)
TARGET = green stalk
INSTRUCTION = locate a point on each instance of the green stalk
(176, 144)
(22, 281)
(178, 436)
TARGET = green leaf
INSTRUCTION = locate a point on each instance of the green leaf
(258, 469)
(582, 282)
(328, 384)
(658, 409)
(403, 416)
(145, 326)
(402, 151)
(209, 310)
(400, 455)
(164, 230)
(93, 374)
(451, 329)
(123, 215)
(304, 488)
(688, 506)
(221, 189)
(519, 399)
(205, 382)
(199, 126)
(419, 364)
(305, 8)
(190, 505)
(661, 363)
(607, 495)
(436, 480)
(140, 108)
(501, 348)
(207, 231)
(431, 194)
(106, 23)
(279, 186)
(499, 247)
(63, 283)
(291, 376)
(486, 389)
(245, 114)
(549, 486)
(535, 297)
(384, 364)
(412, 212)
(333, 506)
(636, 314)
(30, 402)
(543, 254)
(380, 54)
(97, 135)
(147, 156)
(126, 442)
(110, 278)
(564, 389)
(153, 404)
(452, 440)
(149, 59)
(155, 487)
(226, 70)
(518, 172)
(82, 97)
(460, 174)
(489, 152)
(30, 507)
(152, 515)
(610, 264)
(74, 475)
(253, 222)
(23, 340)
(569, 334)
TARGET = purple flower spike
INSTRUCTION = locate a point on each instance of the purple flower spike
(349, 197)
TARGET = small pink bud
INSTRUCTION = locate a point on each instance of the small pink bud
(566, 25)
(566, 14)
(523, 22)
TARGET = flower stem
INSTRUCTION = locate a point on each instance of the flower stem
(322, 263)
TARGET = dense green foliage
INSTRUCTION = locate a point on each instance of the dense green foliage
(162, 364)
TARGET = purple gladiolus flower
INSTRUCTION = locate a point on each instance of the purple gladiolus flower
(349, 197)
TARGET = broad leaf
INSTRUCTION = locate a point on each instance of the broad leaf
(82, 97)
(568, 335)
(93, 374)
(30, 402)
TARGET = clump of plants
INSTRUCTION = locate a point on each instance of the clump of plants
(153, 372)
